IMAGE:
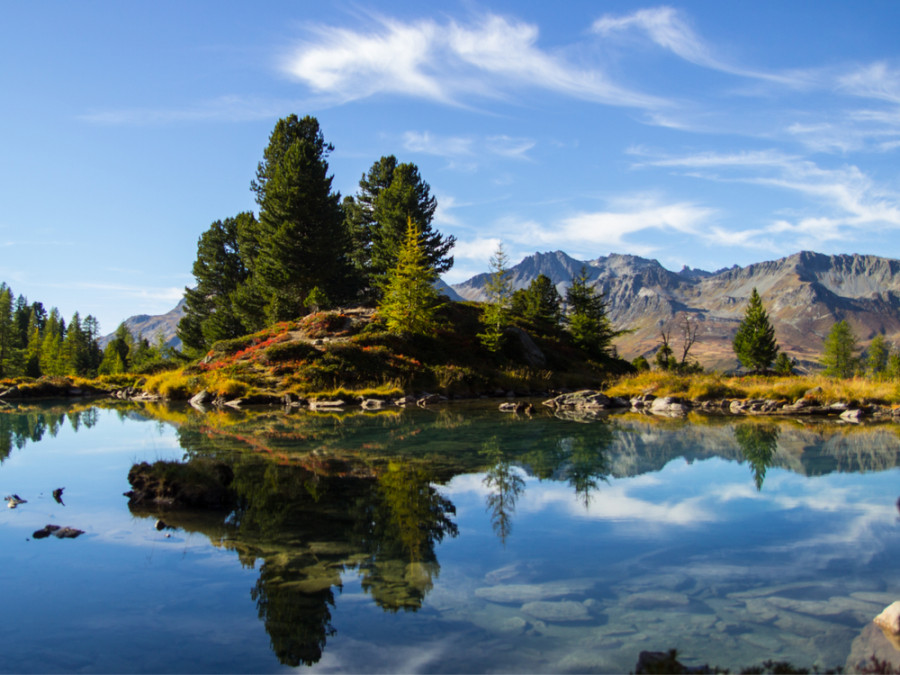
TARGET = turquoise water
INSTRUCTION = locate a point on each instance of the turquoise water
(459, 540)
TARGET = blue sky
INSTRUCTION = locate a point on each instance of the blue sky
(704, 134)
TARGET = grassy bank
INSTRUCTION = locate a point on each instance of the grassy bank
(705, 387)
(351, 355)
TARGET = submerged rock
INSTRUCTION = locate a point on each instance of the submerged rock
(557, 612)
(58, 532)
(519, 593)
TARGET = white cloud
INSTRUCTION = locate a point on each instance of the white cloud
(442, 146)
(877, 80)
(230, 108)
(611, 228)
(447, 63)
(667, 28)
(851, 201)
(507, 146)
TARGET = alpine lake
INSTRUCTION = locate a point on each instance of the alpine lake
(454, 538)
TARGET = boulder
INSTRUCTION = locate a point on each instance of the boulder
(852, 415)
(530, 352)
(201, 399)
(586, 399)
(326, 404)
(372, 404)
(669, 405)
(889, 620)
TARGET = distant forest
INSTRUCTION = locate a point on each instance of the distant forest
(35, 342)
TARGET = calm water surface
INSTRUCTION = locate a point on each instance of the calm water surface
(449, 540)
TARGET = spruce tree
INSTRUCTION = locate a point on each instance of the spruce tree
(301, 235)
(410, 299)
(8, 333)
(221, 268)
(390, 194)
(540, 305)
(877, 356)
(589, 324)
(754, 343)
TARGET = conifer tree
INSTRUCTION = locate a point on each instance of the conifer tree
(410, 300)
(390, 194)
(589, 324)
(877, 356)
(221, 268)
(754, 343)
(301, 235)
(540, 304)
(496, 310)
(840, 357)
(8, 332)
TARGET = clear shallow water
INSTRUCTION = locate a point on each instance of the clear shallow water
(459, 540)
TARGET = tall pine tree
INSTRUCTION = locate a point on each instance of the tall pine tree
(389, 195)
(589, 324)
(302, 239)
(221, 268)
(754, 343)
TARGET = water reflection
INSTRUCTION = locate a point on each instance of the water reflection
(304, 528)
(320, 498)
(505, 485)
(19, 427)
(759, 443)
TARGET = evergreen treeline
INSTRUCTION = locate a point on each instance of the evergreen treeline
(35, 343)
(307, 249)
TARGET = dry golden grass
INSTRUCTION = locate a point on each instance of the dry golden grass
(705, 386)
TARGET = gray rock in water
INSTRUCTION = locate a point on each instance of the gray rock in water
(518, 593)
(557, 612)
(669, 405)
(656, 600)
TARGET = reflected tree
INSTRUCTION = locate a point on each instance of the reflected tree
(758, 443)
(17, 428)
(587, 462)
(297, 620)
(505, 485)
(405, 520)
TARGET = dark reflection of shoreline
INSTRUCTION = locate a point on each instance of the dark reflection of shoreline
(304, 528)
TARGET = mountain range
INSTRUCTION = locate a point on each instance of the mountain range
(805, 294)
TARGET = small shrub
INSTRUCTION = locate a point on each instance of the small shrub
(289, 351)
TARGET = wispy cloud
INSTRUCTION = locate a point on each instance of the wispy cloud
(442, 146)
(842, 200)
(669, 29)
(457, 147)
(449, 63)
(610, 229)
